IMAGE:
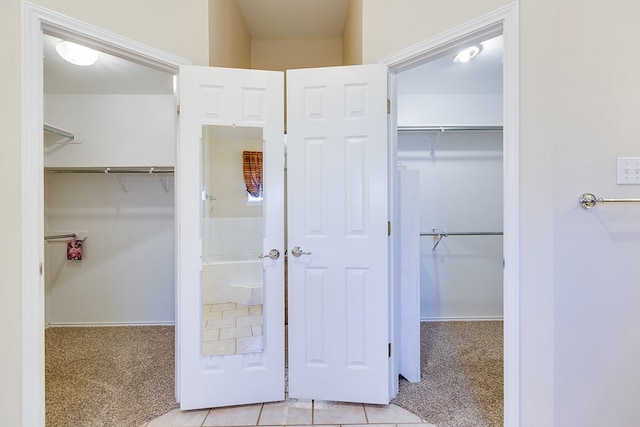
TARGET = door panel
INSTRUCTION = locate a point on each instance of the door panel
(218, 97)
(409, 266)
(337, 232)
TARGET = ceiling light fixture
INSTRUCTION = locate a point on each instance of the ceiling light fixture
(76, 54)
(466, 54)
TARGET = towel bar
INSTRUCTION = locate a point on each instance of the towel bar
(588, 200)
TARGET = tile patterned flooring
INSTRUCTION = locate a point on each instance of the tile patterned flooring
(293, 413)
(230, 328)
(225, 327)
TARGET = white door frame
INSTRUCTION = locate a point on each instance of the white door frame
(35, 20)
(505, 21)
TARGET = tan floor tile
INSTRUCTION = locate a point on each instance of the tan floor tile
(243, 312)
(338, 413)
(377, 425)
(178, 418)
(249, 345)
(237, 332)
(211, 334)
(219, 348)
(245, 415)
(223, 306)
(222, 323)
(316, 425)
(256, 330)
(291, 412)
(390, 414)
(250, 320)
(209, 315)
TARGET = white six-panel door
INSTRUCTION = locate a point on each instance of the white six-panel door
(337, 216)
(337, 197)
(228, 97)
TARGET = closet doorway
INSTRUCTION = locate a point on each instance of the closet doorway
(109, 154)
(96, 187)
(450, 131)
(109, 225)
(501, 22)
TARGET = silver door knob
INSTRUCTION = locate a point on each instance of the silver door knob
(296, 251)
(273, 254)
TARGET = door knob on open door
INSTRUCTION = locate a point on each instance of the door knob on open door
(273, 254)
(296, 251)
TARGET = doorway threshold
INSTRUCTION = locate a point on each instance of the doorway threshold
(292, 412)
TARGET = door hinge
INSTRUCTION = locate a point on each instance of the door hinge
(388, 228)
(178, 109)
(41, 269)
(388, 106)
(389, 349)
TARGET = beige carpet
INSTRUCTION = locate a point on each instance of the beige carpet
(124, 376)
(108, 376)
(462, 375)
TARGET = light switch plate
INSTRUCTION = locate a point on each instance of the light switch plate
(629, 170)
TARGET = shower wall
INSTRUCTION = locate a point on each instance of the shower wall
(232, 239)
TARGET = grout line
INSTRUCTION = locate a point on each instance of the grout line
(260, 414)
(366, 417)
(205, 417)
(313, 411)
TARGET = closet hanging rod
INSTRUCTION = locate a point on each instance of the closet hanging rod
(589, 200)
(465, 233)
(60, 236)
(439, 233)
(57, 131)
(448, 128)
(148, 170)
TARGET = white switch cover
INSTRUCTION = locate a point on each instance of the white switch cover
(629, 170)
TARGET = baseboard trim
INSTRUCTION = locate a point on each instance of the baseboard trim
(463, 319)
(108, 324)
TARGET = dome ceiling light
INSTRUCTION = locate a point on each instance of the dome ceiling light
(466, 54)
(76, 54)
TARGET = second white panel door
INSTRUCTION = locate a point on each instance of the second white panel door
(338, 234)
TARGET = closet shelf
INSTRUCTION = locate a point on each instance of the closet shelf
(439, 130)
(448, 128)
(121, 173)
(60, 132)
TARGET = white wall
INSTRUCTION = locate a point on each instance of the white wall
(460, 191)
(577, 108)
(175, 26)
(145, 21)
(126, 274)
(11, 193)
(593, 119)
(113, 130)
(127, 271)
(450, 109)
(578, 293)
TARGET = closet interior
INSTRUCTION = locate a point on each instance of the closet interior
(450, 131)
(109, 148)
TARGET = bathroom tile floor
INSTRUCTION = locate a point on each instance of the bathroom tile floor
(293, 413)
(230, 328)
